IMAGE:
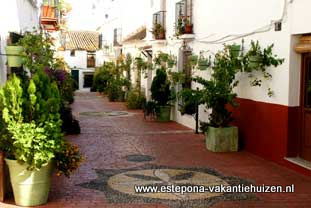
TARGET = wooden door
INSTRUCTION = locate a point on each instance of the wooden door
(305, 142)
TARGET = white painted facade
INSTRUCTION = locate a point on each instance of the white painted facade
(221, 21)
(17, 16)
(79, 62)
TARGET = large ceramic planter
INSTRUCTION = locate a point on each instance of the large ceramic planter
(254, 61)
(30, 188)
(222, 139)
(14, 56)
(163, 113)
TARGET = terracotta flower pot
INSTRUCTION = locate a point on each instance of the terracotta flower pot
(160, 36)
(188, 29)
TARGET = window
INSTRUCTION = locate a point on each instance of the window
(117, 37)
(91, 59)
(183, 17)
(184, 65)
(158, 29)
(73, 53)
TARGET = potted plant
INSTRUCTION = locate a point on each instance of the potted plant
(188, 26)
(217, 94)
(254, 55)
(234, 50)
(14, 55)
(161, 94)
(158, 31)
(33, 138)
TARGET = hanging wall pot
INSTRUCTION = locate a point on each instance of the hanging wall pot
(14, 56)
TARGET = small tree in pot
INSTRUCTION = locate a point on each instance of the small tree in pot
(217, 94)
(161, 91)
(161, 94)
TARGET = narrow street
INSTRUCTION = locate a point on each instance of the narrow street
(122, 150)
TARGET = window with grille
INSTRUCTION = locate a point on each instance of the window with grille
(184, 66)
(159, 27)
(91, 59)
(117, 37)
(183, 17)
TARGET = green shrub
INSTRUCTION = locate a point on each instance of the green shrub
(114, 90)
(160, 88)
(135, 99)
(32, 120)
(102, 76)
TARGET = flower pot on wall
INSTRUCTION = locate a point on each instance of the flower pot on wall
(14, 56)
(163, 113)
(160, 36)
(222, 139)
(254, 61)
(30, 188)
(235, 50)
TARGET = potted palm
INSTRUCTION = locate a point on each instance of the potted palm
(14, 55)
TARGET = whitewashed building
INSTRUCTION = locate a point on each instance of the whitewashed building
(277, 128)
(17, 17)
(82, 52)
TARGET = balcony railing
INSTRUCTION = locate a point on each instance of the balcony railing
(117, 37)
(159, 25)
(50, 14)
(184, 22)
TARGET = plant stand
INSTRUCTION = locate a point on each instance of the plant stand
(222, 139)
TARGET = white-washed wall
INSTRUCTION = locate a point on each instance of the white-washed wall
(16, 16)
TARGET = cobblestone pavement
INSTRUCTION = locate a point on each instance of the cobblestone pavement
(114, 140)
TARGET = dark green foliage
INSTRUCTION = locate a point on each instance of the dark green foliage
(190, 100)
(114, 89)
(150, 109)
(135, 99)
(69, 125)
(160, 88)
(102, 76)
(109, 79)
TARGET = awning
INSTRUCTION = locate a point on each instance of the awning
(138, 34)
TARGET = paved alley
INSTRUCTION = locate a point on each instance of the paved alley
(122, 150)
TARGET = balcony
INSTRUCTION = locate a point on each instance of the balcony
(184, 24)
(50, 15)
(158, 30)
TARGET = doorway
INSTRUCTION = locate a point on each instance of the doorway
(305, 108)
